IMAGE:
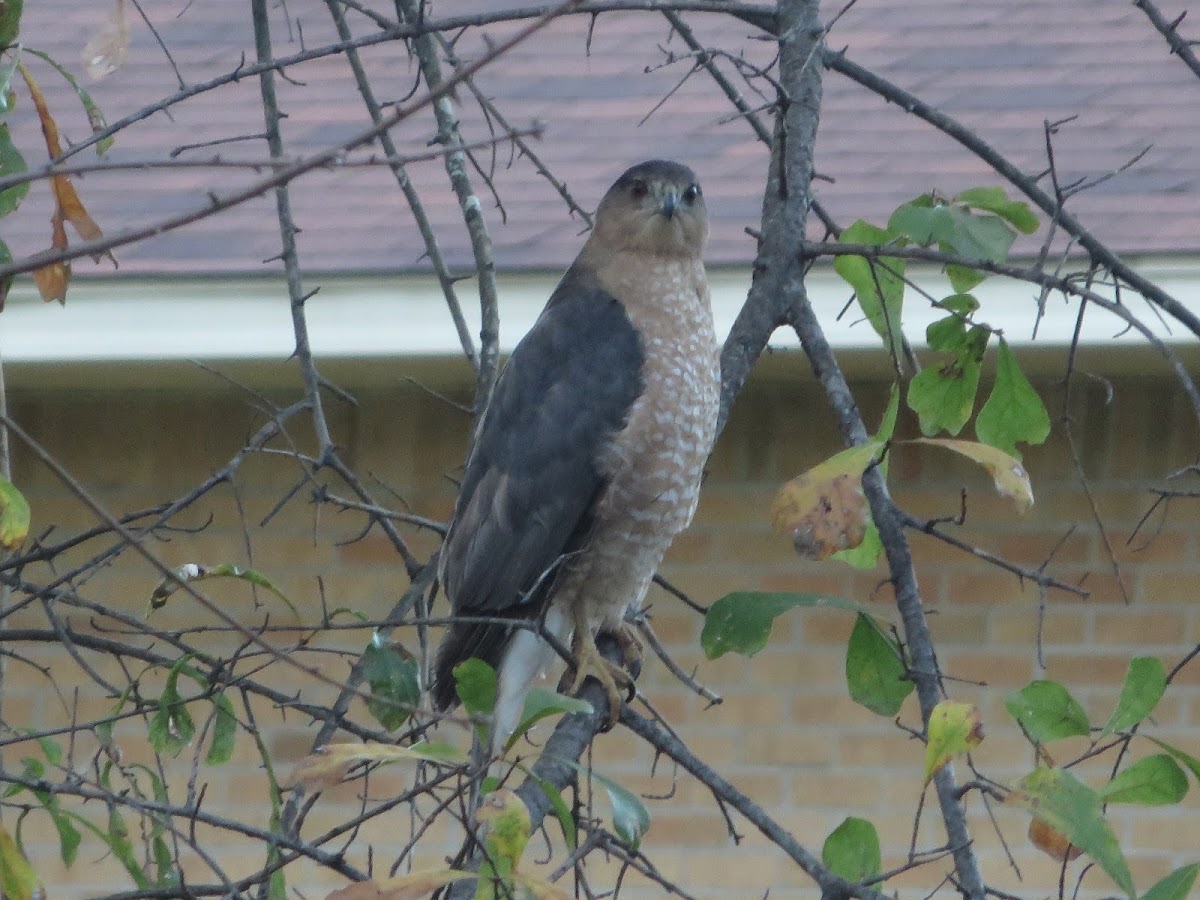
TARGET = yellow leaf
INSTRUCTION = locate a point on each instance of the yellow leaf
(1007, 473)
(824, 509)
(406, 887)
(328, 765)
(17, 877)
(954, 729)
(105, 52)
(508, 827)
(14, 516)
(543, 890)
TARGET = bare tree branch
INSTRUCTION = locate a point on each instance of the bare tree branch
(1170, 31)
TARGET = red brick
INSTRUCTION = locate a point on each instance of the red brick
(1062, 624)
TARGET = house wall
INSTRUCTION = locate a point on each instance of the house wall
(786, 732)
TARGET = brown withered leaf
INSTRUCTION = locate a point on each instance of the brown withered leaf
(406, 887)
(328, 765)
(1051, 841)
(105, 52)
(824, 509)
(52, 281)
(67, 206)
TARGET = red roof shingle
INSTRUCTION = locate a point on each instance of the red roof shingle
(1002, 68)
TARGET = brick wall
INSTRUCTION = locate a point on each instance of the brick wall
(787, 733)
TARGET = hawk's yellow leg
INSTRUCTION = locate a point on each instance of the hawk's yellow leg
(589, 661)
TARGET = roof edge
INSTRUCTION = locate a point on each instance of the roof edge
(360, 319)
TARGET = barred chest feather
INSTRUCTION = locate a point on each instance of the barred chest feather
(655, 463)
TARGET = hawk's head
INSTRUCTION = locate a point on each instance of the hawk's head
(655, 207)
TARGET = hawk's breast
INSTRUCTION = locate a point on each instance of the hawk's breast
(655, 462)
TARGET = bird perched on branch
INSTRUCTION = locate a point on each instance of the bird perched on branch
(587, 461)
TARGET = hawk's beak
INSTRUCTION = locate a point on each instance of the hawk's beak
(669, 202)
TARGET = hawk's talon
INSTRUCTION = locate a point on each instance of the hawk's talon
(590, 662)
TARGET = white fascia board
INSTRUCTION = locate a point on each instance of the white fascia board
(179, 318)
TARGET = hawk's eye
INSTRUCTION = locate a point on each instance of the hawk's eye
(692, 192)
(639, 189)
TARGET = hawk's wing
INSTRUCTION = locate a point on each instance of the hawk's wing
(532, 478)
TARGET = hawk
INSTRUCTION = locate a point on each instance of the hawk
(588, 459)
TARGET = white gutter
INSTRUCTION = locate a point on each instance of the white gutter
(172, 319)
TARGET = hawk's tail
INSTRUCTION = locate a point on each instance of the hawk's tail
(482, 640)
(517, 654)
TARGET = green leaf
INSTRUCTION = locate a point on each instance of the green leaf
(978, 237)
(10, 21)
(562, 812)
(964, 278)
(171, 726)
(50, 748)
(11, 163)
(875, 673)
(224, 731)
(192, 572)
(116, 838)
(954, 228)
(741, 622)
(852, 850)
(866, 555)
(6, 280)
(1047, 711)
(1145, 682)
(917, 221)
(1186, 758)
(944, 397)
(1154, 781)
(993, 199)
(277, 890)
(887, 424)
(879, 286)
(69, 837)
(630, 818)
(166, 873)
(91, 110)
(951, 333)
(68, 834)
(1176, 886)
(392, 675)
(475, 683)
(14, 515)
(1014, 411)
(440, 752)
(7, 71)
(541, 702)
(1064, 802)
